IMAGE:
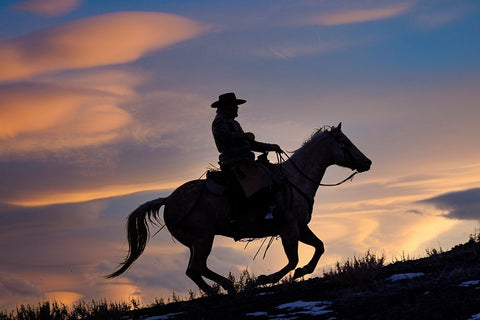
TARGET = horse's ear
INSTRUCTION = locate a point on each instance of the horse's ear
(339, 127)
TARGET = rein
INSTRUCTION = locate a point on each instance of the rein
(350, 177)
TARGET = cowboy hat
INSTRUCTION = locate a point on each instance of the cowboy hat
(226, 100)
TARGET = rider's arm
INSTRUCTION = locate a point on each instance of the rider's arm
(263, 147)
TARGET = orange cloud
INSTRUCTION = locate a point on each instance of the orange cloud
(48, 7)
(102, 40)
(117, 81)
(76, 196)
(68, 298)
(40, 116)
(360, 15)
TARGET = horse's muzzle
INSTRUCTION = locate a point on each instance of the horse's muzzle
(364, 166)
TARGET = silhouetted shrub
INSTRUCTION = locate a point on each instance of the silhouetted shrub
(357, 271)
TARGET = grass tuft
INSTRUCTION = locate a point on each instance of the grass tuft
(356, 271)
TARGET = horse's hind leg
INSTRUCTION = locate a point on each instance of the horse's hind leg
(197, 267)
(308, 237)
(194, 273)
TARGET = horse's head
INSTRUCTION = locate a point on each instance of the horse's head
(346, 154)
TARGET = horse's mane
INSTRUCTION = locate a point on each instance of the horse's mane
(317, 134)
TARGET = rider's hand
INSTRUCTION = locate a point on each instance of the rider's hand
(276, 148)
(249, 136)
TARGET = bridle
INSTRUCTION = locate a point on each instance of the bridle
(345, 150)
(283, 153)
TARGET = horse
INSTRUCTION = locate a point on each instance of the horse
(194, 216)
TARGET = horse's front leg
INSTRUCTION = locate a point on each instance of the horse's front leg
(290, 246)
(308, 237)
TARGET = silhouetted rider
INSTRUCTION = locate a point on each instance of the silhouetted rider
(235, 147)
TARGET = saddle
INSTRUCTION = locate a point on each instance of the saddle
(216, 182)
(261, 188)
(250, 176)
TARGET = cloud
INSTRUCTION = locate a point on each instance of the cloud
(431, 20)
(107, 39)
(66, 196)
(461, 205)
(36, 116)
(66, 297)
(48, 7)
(62, 252)
(170, 266)
(90, 109)
(173, 118)
(93, 125)
(359, 15)
(12, 285)
(114, 80)
(14, 288)
(230, 256)
(294, 50)
(40, 242)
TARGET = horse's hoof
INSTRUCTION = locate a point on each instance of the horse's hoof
(262, 280)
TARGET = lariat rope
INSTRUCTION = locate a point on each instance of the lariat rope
(261, 245)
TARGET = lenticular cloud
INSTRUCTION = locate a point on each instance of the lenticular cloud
(107, 39)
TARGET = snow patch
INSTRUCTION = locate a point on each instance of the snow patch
(405, 276)
(469, 283)
(314, 308)
(475, 317)
(164, 317)
(257, 314)
(264, 293)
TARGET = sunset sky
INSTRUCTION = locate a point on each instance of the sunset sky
(106, 104)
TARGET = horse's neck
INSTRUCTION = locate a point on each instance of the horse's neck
(307, 166)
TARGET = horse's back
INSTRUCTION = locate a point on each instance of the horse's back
(186, 190)
(182, 201)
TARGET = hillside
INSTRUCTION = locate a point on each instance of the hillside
(443, 285)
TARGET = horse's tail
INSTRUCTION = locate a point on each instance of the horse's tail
(138, 232)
